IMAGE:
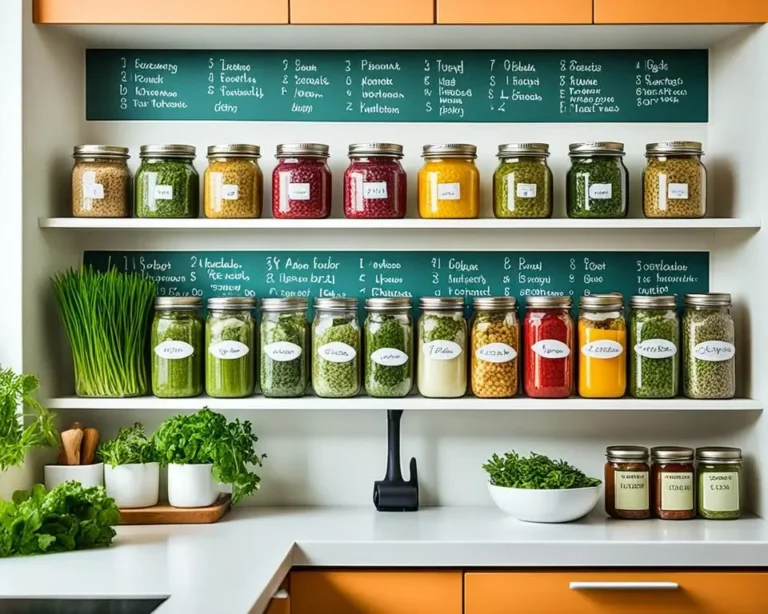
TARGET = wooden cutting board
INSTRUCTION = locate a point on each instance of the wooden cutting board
(165, 514)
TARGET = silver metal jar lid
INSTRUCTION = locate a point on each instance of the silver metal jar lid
(493, 303)
(602, 302)
(602, 148)
(713, 299)
(178, 303)
(312, 150)
(335, 304)
(104, 152)
(439, 303)
(719, 454)
(672, 453)
(364, 150)
(549, 302)
(673, 147)
(450, 150)
(232, 303)
(167, 151)
(626, 453)
(293, 303)
(653, 302)
(388, 304)
(514, 150)
(237, 150)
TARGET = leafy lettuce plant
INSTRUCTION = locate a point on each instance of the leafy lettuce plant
(131, 446)
(535, 472)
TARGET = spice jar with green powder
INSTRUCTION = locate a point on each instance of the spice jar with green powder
(522, 183)
(598, 182)
(284, 357)
(336, 348)
(167, 184)
(177, 347)
(388, 347)
(443, 342)
(719, 482)
(230, 341)
(654, 327)
(675, 180)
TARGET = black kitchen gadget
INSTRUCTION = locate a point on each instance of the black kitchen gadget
(393, 493)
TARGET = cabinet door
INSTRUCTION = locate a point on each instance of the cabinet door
(376, 592)
(585, 592)
(362, 12)
(681, 11)
(513, 12)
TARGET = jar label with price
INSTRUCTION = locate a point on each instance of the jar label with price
(600, 191)
(721, 491)
(441, 350)
(174, 350)
(526, 190)
(677, 191)
(631, 490)
(374, 190)
(714, 351)
(298, 191)
(228, 350)
(336, 351)
(448, 191)
(496, 352)
(676, 490)
(230, 191)
(656, 348)
(389, 357)
(602, 349)
(282, 351)
(551, 348)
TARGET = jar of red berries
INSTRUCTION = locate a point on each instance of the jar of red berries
(375, 182)
(548, 342)
(301, 182)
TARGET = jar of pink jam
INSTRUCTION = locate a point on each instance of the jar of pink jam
(375, 182)
(301, 182)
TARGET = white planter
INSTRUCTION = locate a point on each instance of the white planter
(133, 485)
(191, 486)
(87, 475)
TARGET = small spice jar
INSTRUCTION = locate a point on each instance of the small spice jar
(177, 348)
(673, 483)
(598, 182)
(234, 184)
(602, 347)
(230, 341)
(627, 483)
(388, 347)
(101, 181)
(284, 359)
(495, 334)
(301, 182)
(375, 183)
(719, 482)
(549, 339)
(675, 180)
(336, 347)
(709, 353)
(522, 183)
(442, 341)
(449, 182)
(654, 367)
(167, 184)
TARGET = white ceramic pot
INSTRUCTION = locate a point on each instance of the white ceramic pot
(87, 475)
(545, 505)
(191, 485)
(133, 485)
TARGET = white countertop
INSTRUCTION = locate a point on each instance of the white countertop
(235, 566)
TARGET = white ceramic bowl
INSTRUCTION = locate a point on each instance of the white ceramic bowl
(545, 505)
(87, 475)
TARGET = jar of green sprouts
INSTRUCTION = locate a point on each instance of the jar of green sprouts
(230, 341)
(388, 347)
(284, 356)
(598, 182)
(654, 360)
(719, 473)
(177, 347)
(522, 183)
(167, 184)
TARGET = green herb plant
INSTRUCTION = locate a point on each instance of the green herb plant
(130, 447)
(535, 472)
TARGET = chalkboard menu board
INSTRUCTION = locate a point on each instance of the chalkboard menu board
(398, 86)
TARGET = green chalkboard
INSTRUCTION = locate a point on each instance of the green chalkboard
(398, 86)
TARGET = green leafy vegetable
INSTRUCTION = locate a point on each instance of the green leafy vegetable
(131, 446)
(535, 472)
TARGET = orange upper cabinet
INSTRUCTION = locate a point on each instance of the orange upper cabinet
(171, 12)
(681, 11)
(515, 11)
(362, 11)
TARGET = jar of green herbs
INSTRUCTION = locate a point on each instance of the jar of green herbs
(388, 347)
(598, 182)
(230, 341)
(719, 482)
(167, 184)
(522, 183)
(177, 347)
(284, 356)
(336, 345)
(654, 371)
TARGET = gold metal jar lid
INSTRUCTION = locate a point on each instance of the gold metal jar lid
(602, 302)
(336, 304)
(238, 150)
(293, 303)
(626, 453)
(365, 150)
(672, 453)
(592, 148)
(450, 150)
(712, 299)
(517, 150)
(494, 303)
(178, 303)
(666, 148)
(388, 304)
(438, 303)
(653, 302)
(101, 152)
(549, 302)
(232, 303)
(168, 151)
(293, 150)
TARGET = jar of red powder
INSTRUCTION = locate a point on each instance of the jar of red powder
(548, 342)
(375, 182)
(301, 182)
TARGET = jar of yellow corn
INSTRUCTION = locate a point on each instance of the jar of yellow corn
(449, 182)
(602, 347)
(495, 346)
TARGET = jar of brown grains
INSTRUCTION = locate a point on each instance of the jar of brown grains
(673, 483)
(627, 484)
(233, 182)
(675, 180)
(101, 181)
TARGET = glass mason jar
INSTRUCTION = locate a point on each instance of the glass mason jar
(449, 182)
(388, 347)
(675, 180)
(167, 184)
(549, 339)
(598, 182)
(709, 353)
(101, 181)
(375, 183)
(336, 348)
(522, 183)
(719, 483)
(442, 341)
(230, 341)
(177, 348)
(654, 362)
(495, 335)
(673, 483)
(234, 184)
(627, 483)
(284, 359)
(301, 182)
(602, 347)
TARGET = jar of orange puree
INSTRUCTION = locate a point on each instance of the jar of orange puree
(602, 346)
(449, 182)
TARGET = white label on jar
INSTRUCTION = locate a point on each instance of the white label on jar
(282, 351)
(721, 491)
(336, 351)
(163, 192)
(676, 490)
(174, 350)
(496, 352)
(551, 348)
(389, 357)
(600, 191)
(230, 191)
(631, 490)
(448, 191)
(374, 190)
(526, 190)
(656, 348)
(298, 191)
(602, 349)
(714, 351)
(93, 190)
(228, 350)
(442, 350)
(677, 191)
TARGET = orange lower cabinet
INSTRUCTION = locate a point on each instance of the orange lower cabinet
(376, 592)
(369, 12)
(575, 592)
(680, 11)
(512, 12)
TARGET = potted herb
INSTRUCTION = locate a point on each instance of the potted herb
(131, 470)
(202, 449)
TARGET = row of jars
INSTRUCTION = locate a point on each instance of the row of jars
(167, 184)
(671, 487)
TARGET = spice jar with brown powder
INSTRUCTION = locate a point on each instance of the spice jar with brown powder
(101, 181)
(673, 483)
(233, 182)
(627, 483)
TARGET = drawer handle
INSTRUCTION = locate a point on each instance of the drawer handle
(624, 586)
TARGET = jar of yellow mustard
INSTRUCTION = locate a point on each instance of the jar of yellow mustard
(602, 347)
(449, 182)
(233, 182)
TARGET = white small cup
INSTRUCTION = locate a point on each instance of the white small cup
(191, 485)
(133, 485)
(87, 475)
